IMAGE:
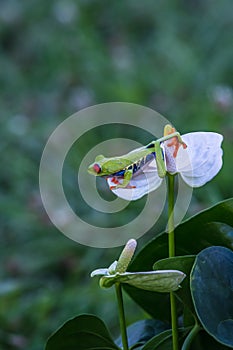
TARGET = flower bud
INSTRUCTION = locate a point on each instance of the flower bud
(126, 256)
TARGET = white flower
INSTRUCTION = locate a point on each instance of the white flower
(197, 164)
(156, 281)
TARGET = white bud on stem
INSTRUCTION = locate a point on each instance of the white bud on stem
(126, 256)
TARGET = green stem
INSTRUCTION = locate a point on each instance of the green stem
(171, 234)
(174, 321)
(121, 316)
(171, 247)
(190, 337)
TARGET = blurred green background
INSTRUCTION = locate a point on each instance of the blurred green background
(58, 57)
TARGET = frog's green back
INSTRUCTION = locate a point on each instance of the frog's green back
(115, 164)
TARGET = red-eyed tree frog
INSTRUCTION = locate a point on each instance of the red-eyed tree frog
(140, 171)
(197, 156)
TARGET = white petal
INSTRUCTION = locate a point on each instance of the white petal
(112, 267)
(202, 159)
(99, 272)
(144, 181)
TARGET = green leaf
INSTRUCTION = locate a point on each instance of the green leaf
(158, 281)
(142, 331)
(210, 227)
(184, 264)
(84, 332)
(203, 341)
(212, 292)
(162, 341)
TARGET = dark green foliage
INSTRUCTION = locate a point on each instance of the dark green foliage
(162, 341)
(82, 333)
(203, 341)
(212, 292)
(184, 264)
(204, 300)
(142, 331)
(210, 227)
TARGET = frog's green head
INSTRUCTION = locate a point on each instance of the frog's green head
(96, 167)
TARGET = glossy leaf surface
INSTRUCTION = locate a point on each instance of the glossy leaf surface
(162, 341)
(184, 264)
(84, 332)
(212, 292)
(213, 226)
(142, 331)
(203, 341)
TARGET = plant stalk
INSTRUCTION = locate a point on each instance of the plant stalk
(189, 339)
(171, 234)
(171, 248)
(121, 316)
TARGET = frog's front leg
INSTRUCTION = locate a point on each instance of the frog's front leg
(126, 180)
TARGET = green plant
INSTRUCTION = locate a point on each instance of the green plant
(200, 315)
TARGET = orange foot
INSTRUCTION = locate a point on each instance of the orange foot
(175, 142)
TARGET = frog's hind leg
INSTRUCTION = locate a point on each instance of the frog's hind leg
(159, 157)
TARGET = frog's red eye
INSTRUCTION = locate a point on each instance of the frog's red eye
(97, 168)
